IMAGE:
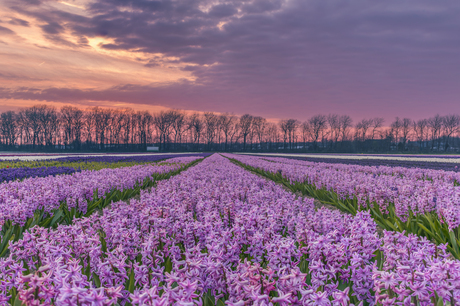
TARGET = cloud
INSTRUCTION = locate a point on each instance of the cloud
(14, 76)
(318, 55)
(6, 31)
(52, 28)
(20, 22)
(222, 10)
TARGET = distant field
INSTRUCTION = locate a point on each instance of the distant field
(42, 156)
(428, 158)
(435, 162)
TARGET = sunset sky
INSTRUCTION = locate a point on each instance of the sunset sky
(277, 59)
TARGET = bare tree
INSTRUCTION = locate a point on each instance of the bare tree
(283, 125)
(9, 127)
(307, 133)
(116, 126)
(67, 123)
(245, 127)
(405, 128)
(162, 122)
(196, 128)
(103, 119)
(227, 123)
(318, 124)
(334, 124)
(292, 126)
(134, 128)
(272, 134)
(47, 117)
(144, 123)
(396, 129)
(376, 124)
(178, 125)
(345, 126)
(127, 125)
(435, 125)
(361, 129)
(54, 128)
(451, 125)
(210, 122)
(23, 126)
(89, 125)
(72, 121)
(420, 128)
(38, 118)
(259, 125)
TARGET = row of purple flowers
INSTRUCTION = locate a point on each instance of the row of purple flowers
(219, 235)
(35, 168)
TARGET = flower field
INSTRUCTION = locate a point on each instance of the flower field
(18, 169)
(435, 165)
(420, 201)
(215, 234)
(51, 200)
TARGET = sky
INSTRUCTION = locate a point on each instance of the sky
(272, 58)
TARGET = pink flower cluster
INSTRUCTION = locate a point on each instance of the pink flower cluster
(218, 232)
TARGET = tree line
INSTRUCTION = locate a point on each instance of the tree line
(43, 127)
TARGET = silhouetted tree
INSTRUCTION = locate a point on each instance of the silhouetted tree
(318, 124)
(245, 127)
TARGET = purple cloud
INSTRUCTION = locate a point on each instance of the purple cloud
(279, 58)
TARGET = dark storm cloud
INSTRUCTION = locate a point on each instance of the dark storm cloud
(318, 55)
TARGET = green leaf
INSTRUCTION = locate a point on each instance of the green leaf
(6, 238)
(210, 300)
(453, 241)
(220, 303)
(17, 302)
(88, 269)
(97, 281)
(103, 242)
(390, 226)
(427, 231)
(57, 216)
(130, 282)
(168, 265)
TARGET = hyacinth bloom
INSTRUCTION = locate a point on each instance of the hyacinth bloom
(435, 162)
(409, 189)
(10, 174)
(218, 232)
(17, 170)
(19, 200)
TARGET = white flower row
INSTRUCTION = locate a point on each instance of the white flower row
(364, 157)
